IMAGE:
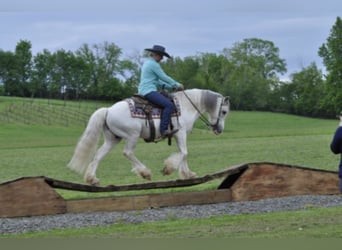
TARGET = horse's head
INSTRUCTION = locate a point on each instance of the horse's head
(217, 107)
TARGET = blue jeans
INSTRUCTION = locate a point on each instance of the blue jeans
(168, 107)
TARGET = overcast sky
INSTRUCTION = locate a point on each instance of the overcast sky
(298, 28)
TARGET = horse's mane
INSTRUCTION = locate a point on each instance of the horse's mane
(207, 98)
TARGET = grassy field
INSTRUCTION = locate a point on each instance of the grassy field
(38, 149)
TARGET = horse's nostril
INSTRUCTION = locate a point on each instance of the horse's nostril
(217, 131)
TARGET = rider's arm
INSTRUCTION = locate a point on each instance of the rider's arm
(164, 79)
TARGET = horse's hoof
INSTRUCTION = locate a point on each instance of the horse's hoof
(192, 175)
(187, 175)
(96, 184)
(144, 173)
(167, 171)
(92, 181)
(147, 175)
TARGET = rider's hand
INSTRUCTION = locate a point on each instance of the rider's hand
(340, 121)
(181, 87)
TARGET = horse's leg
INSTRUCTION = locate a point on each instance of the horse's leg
(109, 143)
(179, 160)
(137, 167)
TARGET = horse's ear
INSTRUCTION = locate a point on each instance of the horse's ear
(226, 99)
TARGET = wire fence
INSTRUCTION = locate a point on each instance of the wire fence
(48, 112)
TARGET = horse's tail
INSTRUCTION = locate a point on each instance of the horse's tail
(87, 144)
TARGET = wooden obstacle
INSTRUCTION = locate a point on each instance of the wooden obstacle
(31, 196)
(269, 180)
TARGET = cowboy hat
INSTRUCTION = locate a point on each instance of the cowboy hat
(160, 50)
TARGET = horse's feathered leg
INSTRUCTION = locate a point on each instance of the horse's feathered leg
(109, 143)
(137, 166)
(179, 160)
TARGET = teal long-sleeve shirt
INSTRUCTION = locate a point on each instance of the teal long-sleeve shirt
(152, 77)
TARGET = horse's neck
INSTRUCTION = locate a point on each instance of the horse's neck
(204, 100)
(194, 100)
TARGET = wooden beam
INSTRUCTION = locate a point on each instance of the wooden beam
(138, 202)
(145, 186)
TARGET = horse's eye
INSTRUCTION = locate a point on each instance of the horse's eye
(224, 112)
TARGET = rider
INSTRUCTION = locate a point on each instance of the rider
(153, 76)
(336, 147)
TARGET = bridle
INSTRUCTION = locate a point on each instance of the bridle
(202, 117)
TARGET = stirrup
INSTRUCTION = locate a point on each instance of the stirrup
(167, 134)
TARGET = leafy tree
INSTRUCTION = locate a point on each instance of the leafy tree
(104, 67)
(2, 89)
(331, 52)
(308, 90)
(282, 98)
(255, 66)
(41, 74)
(8, 73)
(24, 66)
(16, 69)
(213, 71)
(130, 73)
(88, 56)
(183, 70)
(78, 78)
(61, 73)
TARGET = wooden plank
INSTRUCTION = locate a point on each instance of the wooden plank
(100, 204)
(189, 198)
(138, 202)
(145, 186)
(28, 197)
(268, 180)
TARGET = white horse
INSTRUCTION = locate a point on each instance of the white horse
(116, 123)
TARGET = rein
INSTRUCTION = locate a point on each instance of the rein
(202, 117)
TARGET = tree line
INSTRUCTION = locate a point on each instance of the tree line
(249, 72)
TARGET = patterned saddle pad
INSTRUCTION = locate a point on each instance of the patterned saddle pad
(138, 105)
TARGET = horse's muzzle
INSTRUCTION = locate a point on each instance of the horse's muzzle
(217, 130)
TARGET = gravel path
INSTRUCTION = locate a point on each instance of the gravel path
(43, 223)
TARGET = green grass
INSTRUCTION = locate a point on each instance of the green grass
(34, 150)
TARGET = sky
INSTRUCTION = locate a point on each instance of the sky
(297, 27)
